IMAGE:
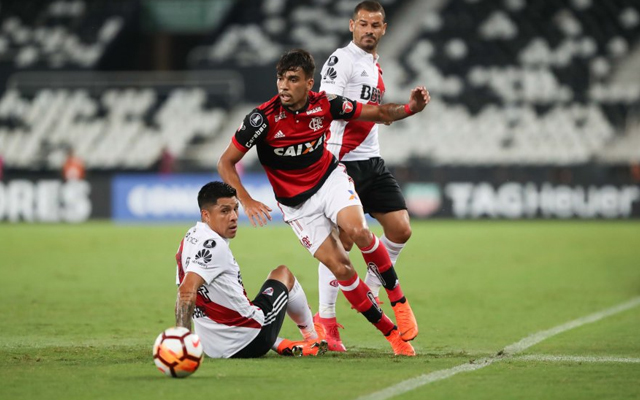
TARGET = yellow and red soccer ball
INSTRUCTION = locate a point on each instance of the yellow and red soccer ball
(177, 352)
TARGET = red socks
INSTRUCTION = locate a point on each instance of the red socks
(377, 258)
(361, 298)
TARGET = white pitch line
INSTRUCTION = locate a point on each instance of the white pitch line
(414, 383)
(578, 359)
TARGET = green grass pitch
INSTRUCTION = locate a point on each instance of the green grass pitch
(82, 304)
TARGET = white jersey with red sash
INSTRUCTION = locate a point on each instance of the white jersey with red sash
(224, 317)
(353, 73)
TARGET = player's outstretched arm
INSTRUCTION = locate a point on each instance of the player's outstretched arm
(186, 301)
(391, 112)
(256, 211)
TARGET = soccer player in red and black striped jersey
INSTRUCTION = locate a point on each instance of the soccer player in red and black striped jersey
(313, 190)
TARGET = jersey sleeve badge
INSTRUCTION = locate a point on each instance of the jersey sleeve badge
(347, 107)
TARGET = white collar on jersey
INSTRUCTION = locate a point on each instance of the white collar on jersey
(357, 50)
(207, 228)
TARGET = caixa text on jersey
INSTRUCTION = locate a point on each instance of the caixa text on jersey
(299, 149)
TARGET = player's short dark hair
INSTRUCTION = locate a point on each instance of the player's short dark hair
(372, 6)
(212, 191)
(294, 59)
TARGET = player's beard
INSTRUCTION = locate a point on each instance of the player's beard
(368, 45)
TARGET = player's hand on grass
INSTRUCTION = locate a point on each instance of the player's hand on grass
(257, 212)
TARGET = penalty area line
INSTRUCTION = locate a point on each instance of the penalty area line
(506, 353)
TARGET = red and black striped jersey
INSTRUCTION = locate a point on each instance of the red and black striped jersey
(291, 144)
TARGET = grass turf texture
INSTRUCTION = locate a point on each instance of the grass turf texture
(82, 304)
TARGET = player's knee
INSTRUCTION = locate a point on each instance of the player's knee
(340, 267)
(347, 243)
(284, 275)
(361, 235)
(343, 271)
(399, 234)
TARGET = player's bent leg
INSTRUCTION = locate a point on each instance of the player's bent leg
(396, 225)
(284, 275)
(397, 232)
(272, 300)
(358, 294)
(297, 306)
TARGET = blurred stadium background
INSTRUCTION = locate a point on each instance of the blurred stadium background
(534, 112)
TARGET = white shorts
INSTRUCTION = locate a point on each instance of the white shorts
(313, 220)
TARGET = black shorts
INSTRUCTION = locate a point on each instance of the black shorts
(272, 300)
(377, 188)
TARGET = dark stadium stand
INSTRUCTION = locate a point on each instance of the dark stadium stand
(513, 82)
(61, 34)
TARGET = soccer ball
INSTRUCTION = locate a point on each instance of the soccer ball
(177, 352)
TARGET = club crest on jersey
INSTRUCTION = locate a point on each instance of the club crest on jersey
(299, 149)
(316, 123)
(268, 291)
(255, 120)
(347, 107)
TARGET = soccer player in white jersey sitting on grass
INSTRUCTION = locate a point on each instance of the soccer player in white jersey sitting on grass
(211, 292)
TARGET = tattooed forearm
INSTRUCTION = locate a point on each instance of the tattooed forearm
(393, 112)
(185, 304)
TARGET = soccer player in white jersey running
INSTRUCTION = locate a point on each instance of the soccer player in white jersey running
(353, 72)
(212, 294)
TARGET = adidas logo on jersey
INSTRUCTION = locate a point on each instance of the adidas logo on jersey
(279, 135)
(364, 73)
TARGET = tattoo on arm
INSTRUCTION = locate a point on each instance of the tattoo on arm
(396, 112)
(392, 112)
(185, 304)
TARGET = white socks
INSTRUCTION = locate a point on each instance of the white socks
(299, 311)
(327, 293)
(394, 249)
